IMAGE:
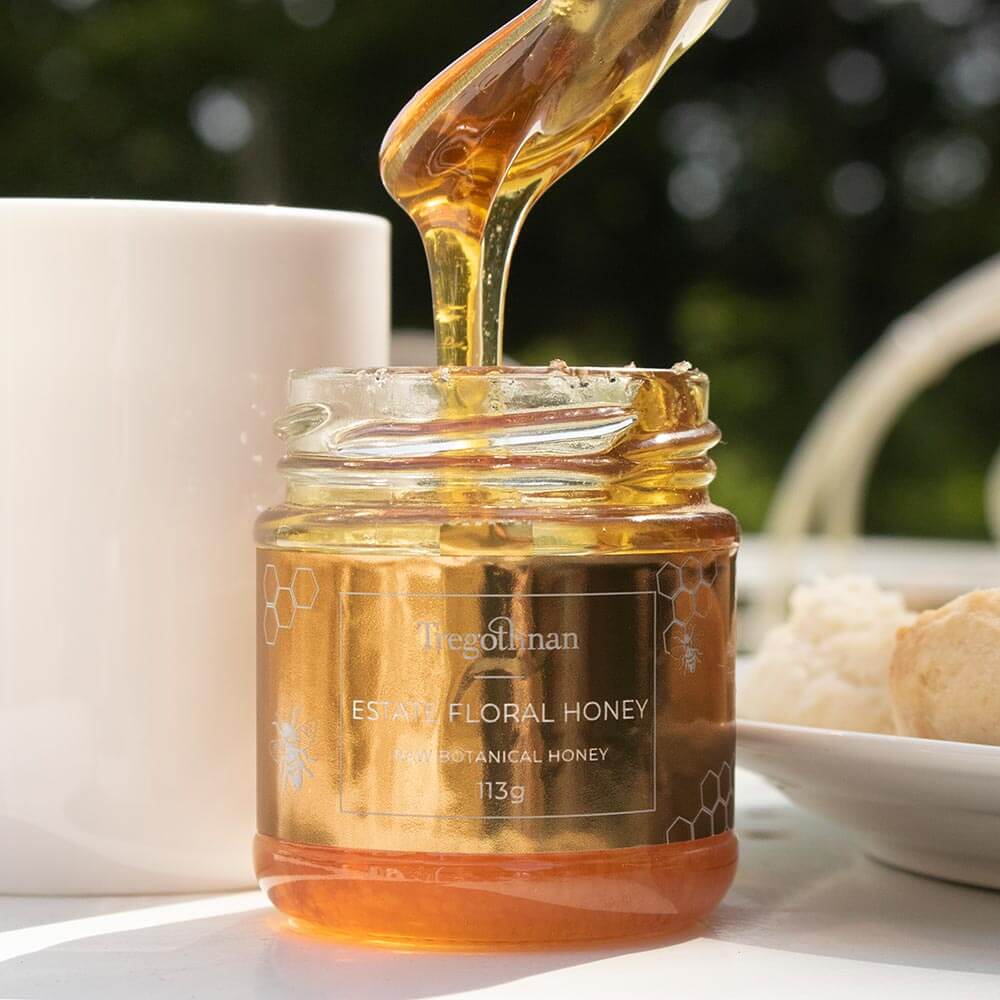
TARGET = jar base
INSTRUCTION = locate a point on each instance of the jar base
(490, 902)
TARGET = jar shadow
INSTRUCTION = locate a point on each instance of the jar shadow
(302, 964)
(257, 954)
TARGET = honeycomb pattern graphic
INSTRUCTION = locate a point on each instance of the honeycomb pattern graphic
(716, 813)
(688, 590)
(283, 602)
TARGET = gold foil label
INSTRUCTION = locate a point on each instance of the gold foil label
(504, 706)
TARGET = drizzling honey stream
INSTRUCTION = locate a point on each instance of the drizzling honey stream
(470, 155)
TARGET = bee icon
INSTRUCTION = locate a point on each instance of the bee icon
(292, 750)
(691, 656)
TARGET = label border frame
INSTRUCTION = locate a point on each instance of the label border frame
(341, 599)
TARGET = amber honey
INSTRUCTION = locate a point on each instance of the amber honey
(470, 155)
(495, 673)
(473, 901)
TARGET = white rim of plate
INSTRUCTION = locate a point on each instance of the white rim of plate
(909, 751)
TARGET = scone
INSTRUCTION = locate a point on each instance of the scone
(828, 665)
(945, 675)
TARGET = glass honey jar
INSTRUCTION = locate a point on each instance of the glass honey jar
(495, 670)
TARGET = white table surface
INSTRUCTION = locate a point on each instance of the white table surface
(808, 918)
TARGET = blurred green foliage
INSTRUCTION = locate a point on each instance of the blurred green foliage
(805, 175)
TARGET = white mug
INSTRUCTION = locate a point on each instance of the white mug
(144, 351)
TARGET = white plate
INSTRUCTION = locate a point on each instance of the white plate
(927, 806)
